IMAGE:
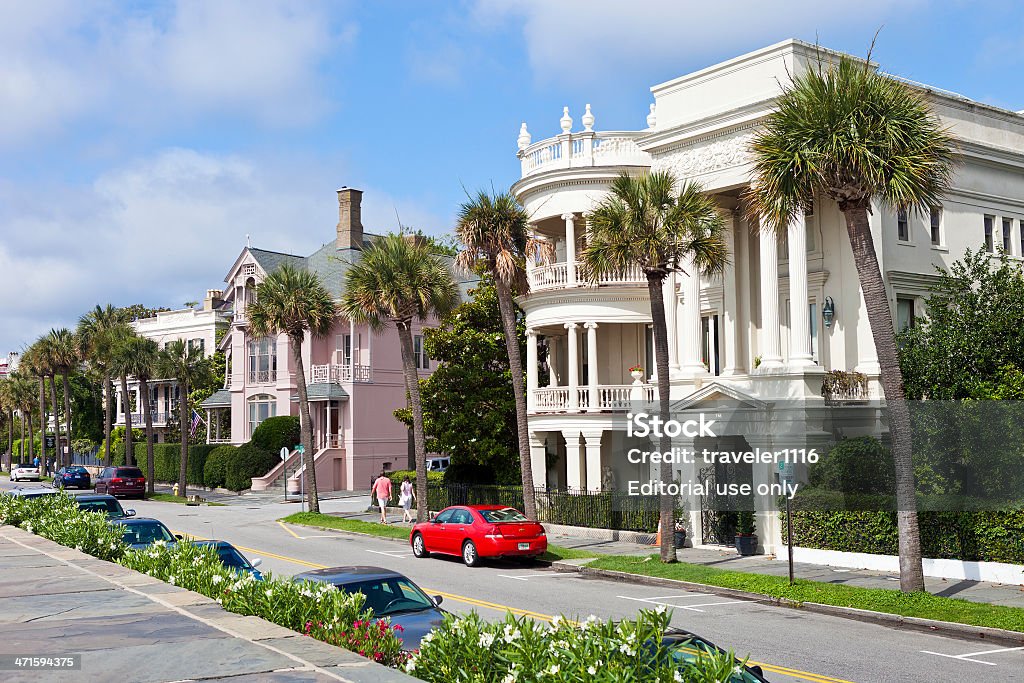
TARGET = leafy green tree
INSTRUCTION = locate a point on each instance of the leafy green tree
(294, 302)
(96, 338)
(654, 223)
(850, 133)
(469, 410)
(137, 357)
(399, 280)
(121, 364)
(185, 364)
(496, 232)
(35, 362)
(65, 359)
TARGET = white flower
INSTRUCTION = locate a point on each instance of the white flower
(410, 665)
(170, 580)
(592, 670)
(553, 670)
(270, 593)
(509, 678)
(217, 578)
(661, 609)
(427, 638)
(555, 621)
(677, 677)
(486, 639)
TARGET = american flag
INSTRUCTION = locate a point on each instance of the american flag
(196, 419)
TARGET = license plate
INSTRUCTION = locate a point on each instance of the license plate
(524, 546)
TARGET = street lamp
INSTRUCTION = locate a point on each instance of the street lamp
(828, 311)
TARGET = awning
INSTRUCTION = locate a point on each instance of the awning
(324, 391)
(220, 399)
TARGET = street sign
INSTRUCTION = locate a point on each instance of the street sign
(301, 449)
(787, 473)
(284, 452)
(51, 442)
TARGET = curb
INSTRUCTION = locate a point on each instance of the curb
(934, 626)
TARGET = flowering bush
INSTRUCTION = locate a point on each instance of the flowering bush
(58, 518)
(519, 649)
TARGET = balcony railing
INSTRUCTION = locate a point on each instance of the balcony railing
(339, 374)
(556, 276)
(139, 419)
(584, 149)
(611, 398)
(262, 376)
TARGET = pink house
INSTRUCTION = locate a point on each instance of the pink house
(353, 375)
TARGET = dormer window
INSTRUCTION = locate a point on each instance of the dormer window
(248, 269)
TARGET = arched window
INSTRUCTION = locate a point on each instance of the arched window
(261, 406)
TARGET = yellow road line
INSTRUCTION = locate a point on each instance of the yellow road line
(281, 524)
(773, 668)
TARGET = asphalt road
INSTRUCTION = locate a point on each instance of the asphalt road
(791, 645)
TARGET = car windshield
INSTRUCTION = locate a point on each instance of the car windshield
(687, 652)
(390, 596)
(76, 470)
(133, 472)
(232, 558)
(503, 515)
(145, 533)
(110, 507)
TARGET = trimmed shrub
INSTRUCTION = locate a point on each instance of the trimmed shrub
(397, 476)
(276, 433)
(167, 461)
(216, 469)
(246, 462)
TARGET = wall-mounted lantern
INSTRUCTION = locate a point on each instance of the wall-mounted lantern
(828, 311)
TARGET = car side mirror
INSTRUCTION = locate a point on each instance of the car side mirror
(179, 537)
(257, 562)
(757, 670)
(129, 513)
(437, 599)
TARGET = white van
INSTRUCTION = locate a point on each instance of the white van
(439, 464)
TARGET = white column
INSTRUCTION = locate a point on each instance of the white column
(867, 357)
(574, 367)
(693, 366)
(531, 368)
(594, 392)
(799, 315)
(209, 418)
(574, 459)
(329, 434)
(730, 302)
(771, 353)
(570, 248)
(671, 314)
(539, 460)
(552, 362)
(593, 459)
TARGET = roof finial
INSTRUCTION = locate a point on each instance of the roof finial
(248, 245)
(566, 120)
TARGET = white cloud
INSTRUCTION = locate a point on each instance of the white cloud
(254, 59)
(585, 41)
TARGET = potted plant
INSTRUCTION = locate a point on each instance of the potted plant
(746, 539)
(637, 372)
(679, 534)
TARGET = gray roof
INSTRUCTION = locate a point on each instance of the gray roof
(324, 391)
(220, 399)
(270, 260)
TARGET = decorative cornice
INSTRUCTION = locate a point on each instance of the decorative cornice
(717, 153)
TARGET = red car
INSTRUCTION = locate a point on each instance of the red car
(121, 481)
(478, 531)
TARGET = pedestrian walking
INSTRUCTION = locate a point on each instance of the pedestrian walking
(382, 490)
(406, 498)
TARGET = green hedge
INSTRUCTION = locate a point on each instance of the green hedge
(248, 461)
(397, 476)
(215, 470)
(276, 433)
(978, 535)
(167, 461)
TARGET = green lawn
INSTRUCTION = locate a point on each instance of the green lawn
(374, 529)
(921, 605)
(168, 498)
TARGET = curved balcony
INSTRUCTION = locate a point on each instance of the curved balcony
(610, 398)
(561, 275)
(583, 150)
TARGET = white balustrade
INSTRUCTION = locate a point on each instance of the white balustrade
(612, 398)
(338, 374)
(555, 276)
(551, 399)
(579, 150)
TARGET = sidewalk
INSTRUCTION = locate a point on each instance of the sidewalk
(126, 626)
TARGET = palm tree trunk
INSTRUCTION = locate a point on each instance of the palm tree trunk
(666, 507)
(31, 441)
(147, 412)
(10, 439)
(515, 364)
(108, 390)
(56, 421)
(412, 385)
(67, 410)
(183, 420)
(43, 466)
(126, 405)
(305, 427)
(880, 318)
(21, 446)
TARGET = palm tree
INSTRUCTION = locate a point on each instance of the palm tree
(96, 340)
(137, 357)
(399, 280)
(654, 223)
(64, 356)
(121, 363)
(847, 132)
(496, 233)
(7, 405)
(49, 360)
(294, 301)
(185, 364)
(23, 394)
(35, 362)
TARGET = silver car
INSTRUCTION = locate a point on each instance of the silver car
(24, 472)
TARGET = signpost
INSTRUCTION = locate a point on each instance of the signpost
(284, 462)
(300, 449)
(787, 475)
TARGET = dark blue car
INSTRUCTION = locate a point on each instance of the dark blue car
(75, 477)
(233, 559)
(142, 532)
(388, 594)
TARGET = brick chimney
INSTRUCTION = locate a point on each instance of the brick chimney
(350, 224)
(214, 298)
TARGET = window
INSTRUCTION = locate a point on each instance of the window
(649, 350)
(419, 351)
(709, 343)
(904, 314)
(935, 222)
(813, 311)
(1007, 228)
(261, 407)
(1021, 224)
(262, 361)
(989, 244)
(198, 345)
(902, 226)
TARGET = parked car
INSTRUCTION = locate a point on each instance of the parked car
(686, 648)
(439, 464)
(75, 476)
(121, 481)
(24, 471)
(233, 559)
(34, 492)
(388, 594)
(104, 503)
(475, 532)
(142, 532)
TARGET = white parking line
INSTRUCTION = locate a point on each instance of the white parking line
(692, 608)
(969, 656)
(390, 553)
(537, 575)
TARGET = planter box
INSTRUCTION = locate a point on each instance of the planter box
(746, 545)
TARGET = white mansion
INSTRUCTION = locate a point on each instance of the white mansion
(788, 308)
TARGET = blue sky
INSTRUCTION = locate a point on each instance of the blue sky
(141, 142)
